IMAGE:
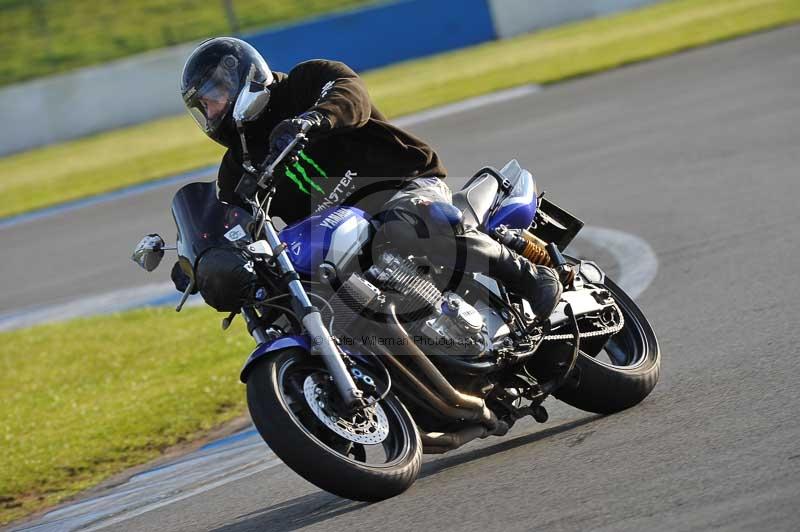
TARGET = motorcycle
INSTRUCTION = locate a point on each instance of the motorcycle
(363, 363)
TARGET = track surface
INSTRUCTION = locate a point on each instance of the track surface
(698, 154)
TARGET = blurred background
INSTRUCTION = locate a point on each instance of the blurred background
(40, 39)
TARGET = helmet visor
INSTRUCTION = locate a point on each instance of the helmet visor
(212, 101)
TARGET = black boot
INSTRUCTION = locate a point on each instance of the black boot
(540, 285)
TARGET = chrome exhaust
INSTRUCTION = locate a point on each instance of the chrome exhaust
(439, 443)
(448, 401)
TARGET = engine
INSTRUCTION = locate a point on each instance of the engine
(457, 329)
(440, 323)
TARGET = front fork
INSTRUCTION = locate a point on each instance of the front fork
(322, 342)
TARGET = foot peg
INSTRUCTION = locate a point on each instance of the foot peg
(565, 272)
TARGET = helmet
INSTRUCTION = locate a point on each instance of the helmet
(214, 75)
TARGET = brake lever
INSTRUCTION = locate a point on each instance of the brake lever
(270, 169)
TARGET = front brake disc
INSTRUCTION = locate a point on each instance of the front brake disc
(368, 426)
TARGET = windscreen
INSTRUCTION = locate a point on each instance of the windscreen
(204, 222)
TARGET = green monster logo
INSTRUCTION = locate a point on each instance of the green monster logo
(298, 167)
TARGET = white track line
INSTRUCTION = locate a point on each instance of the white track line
(467, 105)
(192, 475)
(105, 303)
(638, 263)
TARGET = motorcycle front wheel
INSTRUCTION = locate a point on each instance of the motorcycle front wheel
(369, 456)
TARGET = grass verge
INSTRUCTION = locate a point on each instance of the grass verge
(112, 160)
(82, 400)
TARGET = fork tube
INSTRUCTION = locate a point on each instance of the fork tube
(323, 343)
(255, 330)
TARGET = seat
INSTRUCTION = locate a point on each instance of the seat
(476, 199)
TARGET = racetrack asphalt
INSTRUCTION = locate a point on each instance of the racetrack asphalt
(698, 154)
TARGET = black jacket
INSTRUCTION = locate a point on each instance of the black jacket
(362, 160)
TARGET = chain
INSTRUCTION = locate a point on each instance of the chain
(614, 329)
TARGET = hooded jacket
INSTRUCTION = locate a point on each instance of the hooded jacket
(362, 160)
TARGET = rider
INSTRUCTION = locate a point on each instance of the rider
(353, 156)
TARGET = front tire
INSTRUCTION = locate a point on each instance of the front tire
(632, 371)
(287, 423)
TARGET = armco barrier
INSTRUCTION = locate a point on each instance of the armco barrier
(380, 35)
(144, 87)
(512, 17)
(67, 106)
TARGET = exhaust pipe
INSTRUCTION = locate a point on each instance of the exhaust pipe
(439, 443)
(433, 399)
(432, 372)
(449, 401)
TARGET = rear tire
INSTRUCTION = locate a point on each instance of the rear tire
(605, 388)
(299, 442)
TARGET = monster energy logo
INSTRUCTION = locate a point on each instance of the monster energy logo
(299, 175)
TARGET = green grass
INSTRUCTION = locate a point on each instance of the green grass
(80, 401)
(40, 37)
(103, 162)
(108, 161)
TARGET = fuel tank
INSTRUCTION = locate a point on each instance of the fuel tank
(335, 235)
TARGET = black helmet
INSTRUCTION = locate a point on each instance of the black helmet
(213, 77)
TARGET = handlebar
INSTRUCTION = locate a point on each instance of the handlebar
(263, 207)
(250, 182)
(270, 169)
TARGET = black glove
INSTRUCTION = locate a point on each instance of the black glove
(285, 132)
(180, 279)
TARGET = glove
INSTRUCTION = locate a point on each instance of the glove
(180, 279)
(285, 132)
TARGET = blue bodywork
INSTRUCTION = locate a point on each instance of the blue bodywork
(517, 209)
(292, 340)
(334, 235)
(274, 346)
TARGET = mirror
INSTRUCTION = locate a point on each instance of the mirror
(251, 102)
(149, 252)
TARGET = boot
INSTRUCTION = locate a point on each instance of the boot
(540, 285)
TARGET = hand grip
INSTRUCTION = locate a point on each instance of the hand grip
(286, 151)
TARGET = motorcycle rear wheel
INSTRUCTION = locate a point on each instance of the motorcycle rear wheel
(287, 423)
(632, 371)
